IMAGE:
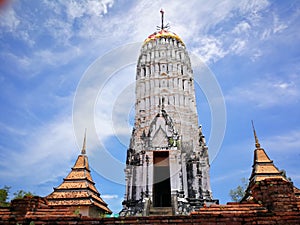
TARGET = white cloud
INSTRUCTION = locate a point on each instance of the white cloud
(115, 98)
(237, 46)
(265, 34)
(266, 92)
(85, 29)
(77, 9)
(86, 21)
(279, 26)
(84, 17)
(275, 27)
(289, 141)
(257, 53)
(38, 61)
(209, 49)
(105, 197)
(45, 154)
(283, 148)
(60, 30)
(253, 10)
(242, 27)
(22, 61)
(230, 176)
(9, 19)
(13, 130)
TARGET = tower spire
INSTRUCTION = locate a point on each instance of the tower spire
(83, 150)
(257, 144)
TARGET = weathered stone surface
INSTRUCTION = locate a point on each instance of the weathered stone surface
(166, 120)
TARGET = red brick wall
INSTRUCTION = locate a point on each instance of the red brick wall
(277, 205)
(276, 195)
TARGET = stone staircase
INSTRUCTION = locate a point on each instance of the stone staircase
(160, 211)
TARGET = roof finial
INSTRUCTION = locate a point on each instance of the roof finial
(83, 150)
(162, 27)
(162, 18)
(257, 145)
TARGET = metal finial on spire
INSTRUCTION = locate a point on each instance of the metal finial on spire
(257, 145)
(162, 27)
(162, 18)
(83, 150)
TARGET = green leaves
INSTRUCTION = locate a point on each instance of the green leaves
(21, 194)
(4, 196)
(238, 193)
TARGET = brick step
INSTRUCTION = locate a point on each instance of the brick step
(161, 211)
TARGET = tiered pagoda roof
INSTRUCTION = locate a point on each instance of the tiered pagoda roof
(263, 167)
(78, 188)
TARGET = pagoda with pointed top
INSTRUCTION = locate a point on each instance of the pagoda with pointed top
(78, 191)
(263, 167)
(264, 170)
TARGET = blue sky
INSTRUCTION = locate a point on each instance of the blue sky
(47, 50)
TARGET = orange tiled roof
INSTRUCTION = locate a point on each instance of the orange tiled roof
(79, 175)
(78, 188)
(81, 163)
(263, 167)
(79, 184)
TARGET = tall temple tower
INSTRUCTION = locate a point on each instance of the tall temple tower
(167, 161)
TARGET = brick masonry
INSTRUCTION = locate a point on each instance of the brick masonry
(274, 202)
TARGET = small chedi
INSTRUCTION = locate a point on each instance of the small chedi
(78, 191)
(266, 175)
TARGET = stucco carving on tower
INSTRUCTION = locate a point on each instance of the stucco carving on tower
(166, 128)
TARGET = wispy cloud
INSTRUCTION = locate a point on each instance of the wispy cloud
(233, 175)
(9, 20)
(109, 196)
(49, 148)
(5, 128)
(210, 49)
(284, 91)
(289, 141)
(58, 39)
(242, 27)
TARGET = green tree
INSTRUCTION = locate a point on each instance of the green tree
(4, 196)
(238, 193)
(21, 194)
(285, 175)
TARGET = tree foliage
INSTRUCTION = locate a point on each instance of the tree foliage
(4, 192)
(4, 196)
(21, 194)
(238, 193)
(283, 172)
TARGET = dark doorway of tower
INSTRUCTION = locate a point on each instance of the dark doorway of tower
(161, 185)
